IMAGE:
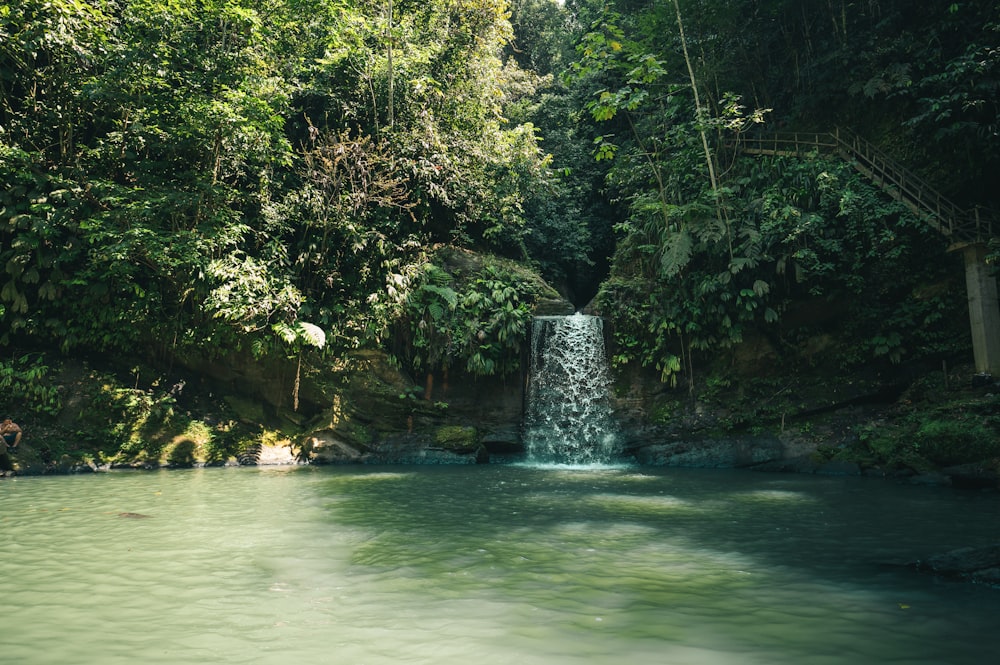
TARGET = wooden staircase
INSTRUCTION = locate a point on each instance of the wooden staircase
(960, 226)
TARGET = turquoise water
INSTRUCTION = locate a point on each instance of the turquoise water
(489, 564)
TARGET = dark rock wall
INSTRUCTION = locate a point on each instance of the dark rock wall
(377, 414)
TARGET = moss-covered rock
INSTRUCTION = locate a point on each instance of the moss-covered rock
(181, 453)
(247, 410)
(457, 438)
(377, 414)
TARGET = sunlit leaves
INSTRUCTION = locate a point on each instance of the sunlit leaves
(604, 149)
(23, 382)
(669, 369)
(215, 173)
(247, 293)
(300, 333)
(48, 52)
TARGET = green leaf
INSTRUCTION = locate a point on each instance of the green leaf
(761, 288)
(285, 332)
(676, 253)
(311, 334)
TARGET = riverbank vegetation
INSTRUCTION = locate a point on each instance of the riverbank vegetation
(183, 182)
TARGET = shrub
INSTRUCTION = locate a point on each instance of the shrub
(949, 442)
(23, 381)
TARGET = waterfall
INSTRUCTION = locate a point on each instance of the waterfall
(568, 418)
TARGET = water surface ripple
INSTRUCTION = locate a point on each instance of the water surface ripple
(493, 565)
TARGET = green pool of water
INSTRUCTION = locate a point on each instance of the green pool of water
(487, 565)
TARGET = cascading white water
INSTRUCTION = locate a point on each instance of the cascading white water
(568, 417)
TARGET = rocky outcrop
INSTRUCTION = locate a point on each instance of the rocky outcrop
(722, 452)
(554, 307)
(976, 564)
(982, 475)
(371, 411)
(378, 415)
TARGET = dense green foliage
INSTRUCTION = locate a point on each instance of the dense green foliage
(934, 429)
(715, 247)
(473, 316)
(181, 176)
(23, 383)
(814, 250)
(209, 175)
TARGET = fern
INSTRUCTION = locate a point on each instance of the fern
(447, 294)
(311, 334)
(676, 253)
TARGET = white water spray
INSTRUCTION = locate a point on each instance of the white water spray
(569, 418)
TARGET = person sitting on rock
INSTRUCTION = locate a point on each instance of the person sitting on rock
(11, 433)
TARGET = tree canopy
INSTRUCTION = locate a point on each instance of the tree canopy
(211, 175)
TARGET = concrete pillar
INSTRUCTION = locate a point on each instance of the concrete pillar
(984, 309)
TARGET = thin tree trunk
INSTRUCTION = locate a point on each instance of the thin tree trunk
(699, 118)
(699, 112)
(661, 188)
(295, 386)
(391, 91)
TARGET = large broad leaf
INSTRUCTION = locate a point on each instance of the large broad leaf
(311, 334)
(285, 332)
(300, 333)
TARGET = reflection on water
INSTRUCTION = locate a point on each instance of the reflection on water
(489, 565)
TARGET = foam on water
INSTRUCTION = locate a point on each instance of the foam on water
(568, 419)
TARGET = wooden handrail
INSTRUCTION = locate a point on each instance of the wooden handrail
(957, 224)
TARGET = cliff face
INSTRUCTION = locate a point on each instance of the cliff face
(914, 422)
(376, 414)
(742, 424)
(371, 412)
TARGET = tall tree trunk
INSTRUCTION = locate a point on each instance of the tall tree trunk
(699, 111)
(389, 64)
(295, 386)
(700, 114)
